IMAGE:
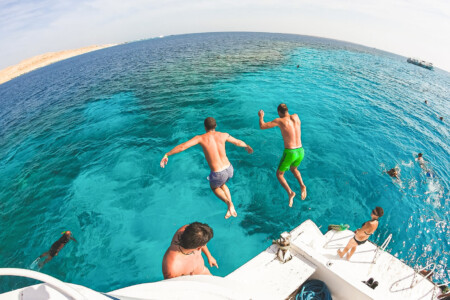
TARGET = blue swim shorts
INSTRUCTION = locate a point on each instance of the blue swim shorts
(217, 179)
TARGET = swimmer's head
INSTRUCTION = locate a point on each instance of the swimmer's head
(378, 212)
(210, 123)
(196, 235)
(419, 155)
(282, 109)
(441, 118)
(67, 232)
(393, 172)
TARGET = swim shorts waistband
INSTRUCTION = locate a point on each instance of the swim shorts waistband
(222, 169)
(293, 148)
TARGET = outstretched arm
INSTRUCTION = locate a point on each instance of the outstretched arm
(239, 143)
(264, 125)
(180, 148)
(211, 260)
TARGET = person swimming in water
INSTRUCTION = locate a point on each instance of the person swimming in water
(56, 247)
(394, 173)
(293, 153)
(362, 234)
(213, 145)
(184, 256)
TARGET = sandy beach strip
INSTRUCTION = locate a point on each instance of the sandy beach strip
(43, 60)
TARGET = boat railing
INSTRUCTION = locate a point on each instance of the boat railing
(382, 248)
(54, 283)
(415, 280)
(418, 271)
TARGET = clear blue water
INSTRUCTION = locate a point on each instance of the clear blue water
(81, 141)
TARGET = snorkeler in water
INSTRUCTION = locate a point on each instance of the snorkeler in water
(56, 247)
(394, 173)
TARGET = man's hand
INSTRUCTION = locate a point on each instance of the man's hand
(261, 113)
(164, 161)
(249, 149)
(212, 262)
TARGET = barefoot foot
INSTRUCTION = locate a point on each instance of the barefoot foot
(228, 214)
(340, 253)
(233, 211)
(303, 192)
(291, 198)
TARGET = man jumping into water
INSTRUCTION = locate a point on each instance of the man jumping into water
(56, 247)
(293, 153)
(213, 144)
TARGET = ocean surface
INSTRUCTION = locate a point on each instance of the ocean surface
(81, 141)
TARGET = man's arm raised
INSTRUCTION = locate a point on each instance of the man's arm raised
(239, 143)
(264, 125)
(180, 148)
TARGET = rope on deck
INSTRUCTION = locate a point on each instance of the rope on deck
(314, 290)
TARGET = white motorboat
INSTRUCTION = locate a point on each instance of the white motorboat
(266, 277)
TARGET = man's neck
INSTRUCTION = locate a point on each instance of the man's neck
(185, 251)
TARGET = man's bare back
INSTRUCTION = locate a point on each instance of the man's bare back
(293, 153)
(213, 145)
(290, 130)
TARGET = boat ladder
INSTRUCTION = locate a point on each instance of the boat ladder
(416, 280)
(382, 248)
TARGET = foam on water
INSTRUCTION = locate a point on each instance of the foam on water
(81, 141)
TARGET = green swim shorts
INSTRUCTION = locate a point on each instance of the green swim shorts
(291, 158)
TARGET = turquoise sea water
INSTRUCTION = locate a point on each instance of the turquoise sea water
(81, 141)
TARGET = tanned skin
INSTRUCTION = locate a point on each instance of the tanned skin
(213, 145)
(290, 127)
(369, 227)
(179, 261)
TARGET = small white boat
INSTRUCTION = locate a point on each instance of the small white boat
(266, 277)
(421, 63)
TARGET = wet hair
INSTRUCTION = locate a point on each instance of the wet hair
(378, 211)
(441, 118)
(419, 155)
(210, 123)
(196, 235)
(282, 108)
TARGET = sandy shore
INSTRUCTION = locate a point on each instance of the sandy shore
(43, 60)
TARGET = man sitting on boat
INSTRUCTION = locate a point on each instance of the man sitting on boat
(184, 256)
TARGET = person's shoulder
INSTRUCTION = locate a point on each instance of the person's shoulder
(182, 228)
(223, 135)
(296, 116)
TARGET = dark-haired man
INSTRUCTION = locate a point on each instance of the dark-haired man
(293, 151)
(184, 256)
(213, 145)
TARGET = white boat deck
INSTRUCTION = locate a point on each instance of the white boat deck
(273, 279)
(265, 277)
(394, 277)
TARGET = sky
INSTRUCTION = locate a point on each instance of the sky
(415, 28)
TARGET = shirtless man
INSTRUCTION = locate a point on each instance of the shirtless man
(213, 144)
(293, 153)
(184, 256)
(56, 247)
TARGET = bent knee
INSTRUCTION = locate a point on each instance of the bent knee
(280, 173)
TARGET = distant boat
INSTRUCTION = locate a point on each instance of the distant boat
(421, 63)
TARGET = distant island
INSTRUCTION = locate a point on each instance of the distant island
(43, 60)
